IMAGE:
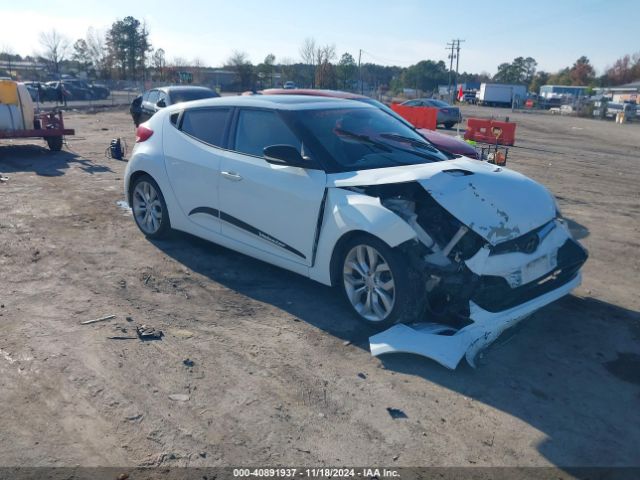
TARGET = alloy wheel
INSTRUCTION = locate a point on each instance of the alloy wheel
(368, 282)
(147, 207)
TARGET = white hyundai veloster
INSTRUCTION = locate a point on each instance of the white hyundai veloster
(345, 194)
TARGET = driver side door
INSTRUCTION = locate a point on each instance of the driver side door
(273, 209)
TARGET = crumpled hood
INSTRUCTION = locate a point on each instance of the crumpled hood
(497, 203)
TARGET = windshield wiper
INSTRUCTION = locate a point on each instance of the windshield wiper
(364, 139)
(413, 141)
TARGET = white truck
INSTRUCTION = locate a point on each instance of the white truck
(498, 94)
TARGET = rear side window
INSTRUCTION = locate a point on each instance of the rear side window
(258, 129)
(206, 124)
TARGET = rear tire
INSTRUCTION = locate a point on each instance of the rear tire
(376, 282)
(55, 143)
(149, 208)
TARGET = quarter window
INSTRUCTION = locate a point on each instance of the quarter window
(258, 129)
(207, 125)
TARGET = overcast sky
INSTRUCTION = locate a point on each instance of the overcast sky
(554, 32)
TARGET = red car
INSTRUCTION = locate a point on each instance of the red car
(440, 140)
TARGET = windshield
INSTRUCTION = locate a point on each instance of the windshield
(384, 108)
(178, 96)
(350, 139)
(438, 103)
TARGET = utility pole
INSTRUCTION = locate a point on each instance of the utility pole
(453, 46)
(360, 71)
(450, 46)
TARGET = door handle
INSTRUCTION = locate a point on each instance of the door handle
(231, 176)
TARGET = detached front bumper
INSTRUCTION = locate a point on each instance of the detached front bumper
(512, 286)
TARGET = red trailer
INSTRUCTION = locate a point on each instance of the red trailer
(49, 126)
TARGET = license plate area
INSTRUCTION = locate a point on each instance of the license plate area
(538, 267)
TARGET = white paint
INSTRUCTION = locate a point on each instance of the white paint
(448, 350)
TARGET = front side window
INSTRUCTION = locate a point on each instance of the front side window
(258, 129)
(206, 124)
(153, 96)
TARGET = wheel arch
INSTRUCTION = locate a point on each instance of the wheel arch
(132, 180)
(349, 213)
(338, 251)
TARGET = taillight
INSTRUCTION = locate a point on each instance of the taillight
(143, 133)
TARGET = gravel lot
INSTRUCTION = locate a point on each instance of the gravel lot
(281, 373)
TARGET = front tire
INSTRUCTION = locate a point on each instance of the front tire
(449, 125)
(149, 208)
(375, 280)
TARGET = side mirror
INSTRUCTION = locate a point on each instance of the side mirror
(285, 155)
(161, 104)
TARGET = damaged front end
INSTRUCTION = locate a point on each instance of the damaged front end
(481, 274)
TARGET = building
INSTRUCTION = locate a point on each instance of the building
(562, 91)
(629, 92)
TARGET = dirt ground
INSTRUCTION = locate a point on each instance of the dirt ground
(272, 367)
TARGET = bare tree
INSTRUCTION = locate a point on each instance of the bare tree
(179, 62)
(240, 63)
(56, 47)
(308, 55)
(159, 62)
(7, 52)
(97, 50)
(325, 76)
(308, 51)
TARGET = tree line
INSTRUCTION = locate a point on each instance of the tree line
(125, 52)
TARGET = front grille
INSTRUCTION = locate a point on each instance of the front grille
(494, 293)
(527, 243)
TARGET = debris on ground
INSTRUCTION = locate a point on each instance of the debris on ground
(179, 397)
(3, 179)
(396, 413)
(101, 319)
(188, 362)
(148, 333)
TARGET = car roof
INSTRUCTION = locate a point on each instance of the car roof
(312, 91)
(277, 102)
(182, 88)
